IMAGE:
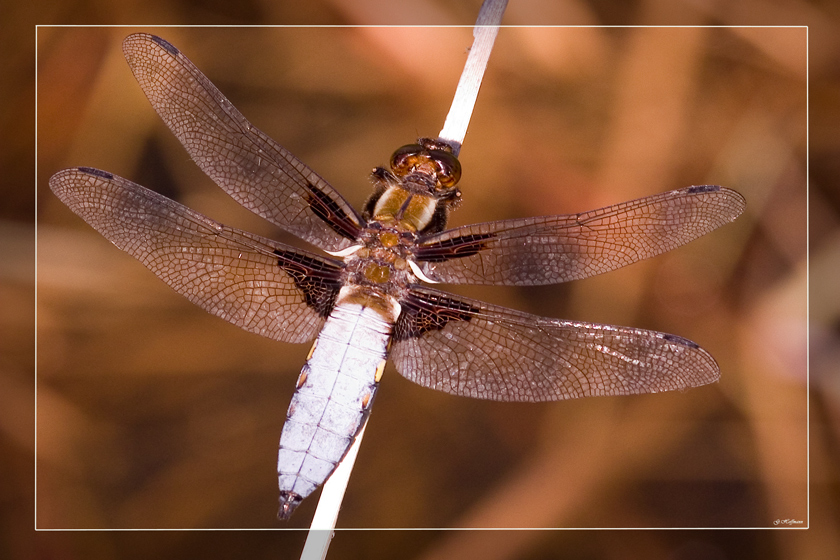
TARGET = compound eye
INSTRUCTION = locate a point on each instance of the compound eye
(407, 158)
(448, 167)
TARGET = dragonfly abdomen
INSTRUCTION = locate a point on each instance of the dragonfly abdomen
(335, 391)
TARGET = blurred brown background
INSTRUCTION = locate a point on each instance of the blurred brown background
(153, 414)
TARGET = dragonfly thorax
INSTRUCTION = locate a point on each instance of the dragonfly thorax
(381, 259)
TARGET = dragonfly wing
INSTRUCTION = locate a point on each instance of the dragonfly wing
(553, 249)
(260, 285)
(471, 348)
(251, 167)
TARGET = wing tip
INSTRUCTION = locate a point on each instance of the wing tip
(129, 43)
(95, 172)
(680, 340)
(169, 47)
(696, 189)
(737, 203)
(62, 182)
(706, 369)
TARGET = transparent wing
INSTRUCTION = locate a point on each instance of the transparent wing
(470, 348)
(552, 249)
(263, 286)
(257, 172)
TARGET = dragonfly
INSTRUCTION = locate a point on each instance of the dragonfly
(370, 296)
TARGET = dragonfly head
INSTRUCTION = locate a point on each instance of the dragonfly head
(420, 188)
(431, 158)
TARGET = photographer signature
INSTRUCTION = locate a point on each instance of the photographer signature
(779, 522)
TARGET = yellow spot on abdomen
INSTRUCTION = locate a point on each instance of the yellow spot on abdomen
(312, 350)
(380, 369)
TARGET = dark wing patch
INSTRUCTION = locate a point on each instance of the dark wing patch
(260, 285)
(552, 249)
(252, 168)
(453, 247)
(331, 212)
(315, 278)
(429, 312)
(490, 352)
